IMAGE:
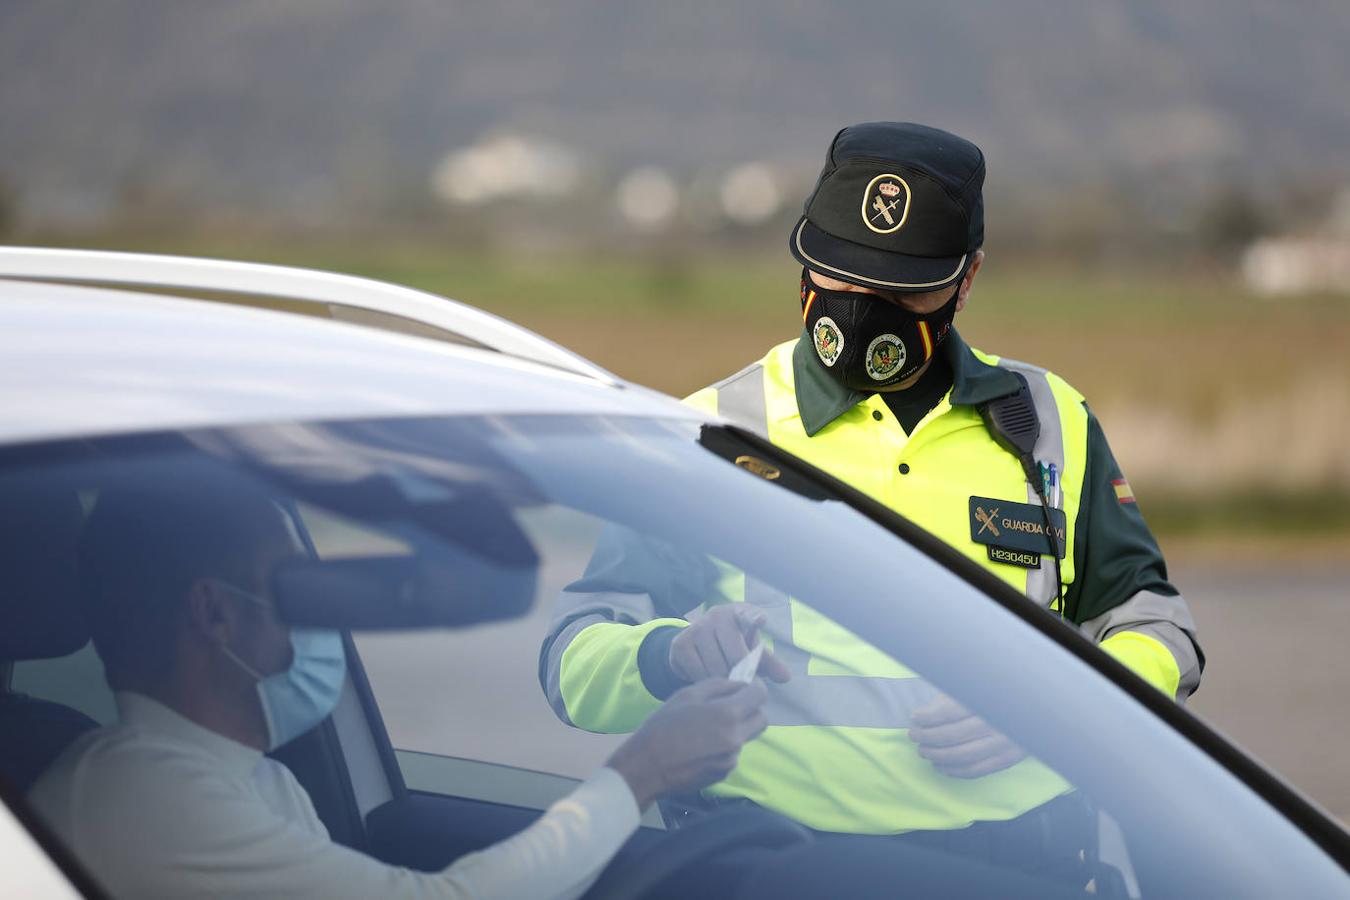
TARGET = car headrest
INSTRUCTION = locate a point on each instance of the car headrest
(40, 610)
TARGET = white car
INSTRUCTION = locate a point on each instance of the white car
(417, 430)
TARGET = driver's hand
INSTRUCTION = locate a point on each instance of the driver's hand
(959, 744)
(693, 740)
(711, 646)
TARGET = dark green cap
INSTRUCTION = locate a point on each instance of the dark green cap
(898, 206)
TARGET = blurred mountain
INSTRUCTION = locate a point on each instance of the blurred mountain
(312, 107)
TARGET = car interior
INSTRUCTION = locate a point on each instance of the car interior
(52, 691)
(40, 610)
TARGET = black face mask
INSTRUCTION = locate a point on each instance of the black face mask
(866, 343)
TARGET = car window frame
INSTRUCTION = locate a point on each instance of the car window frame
(374, 727)
(48, 843)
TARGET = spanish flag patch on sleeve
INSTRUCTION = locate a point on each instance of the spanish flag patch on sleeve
(1123, 491)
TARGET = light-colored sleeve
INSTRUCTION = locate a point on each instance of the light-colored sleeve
(173, 830)
(561, 854)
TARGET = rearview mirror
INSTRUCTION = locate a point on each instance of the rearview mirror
(455, 588)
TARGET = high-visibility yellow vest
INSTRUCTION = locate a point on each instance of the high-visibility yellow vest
(836, 755)
(928, 477)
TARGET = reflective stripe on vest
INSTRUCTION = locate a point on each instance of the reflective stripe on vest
(1049, 450)
(838, 700)
(834, 757)
(740, 398)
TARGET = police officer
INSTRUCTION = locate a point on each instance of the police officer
(1002, 460)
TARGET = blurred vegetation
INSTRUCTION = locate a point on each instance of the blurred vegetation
(1298, 516)
(1185, 341)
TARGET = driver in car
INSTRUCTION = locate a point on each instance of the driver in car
(178, 797)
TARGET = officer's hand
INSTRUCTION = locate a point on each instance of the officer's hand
(693, 740)
(709, 647)
(959, 744)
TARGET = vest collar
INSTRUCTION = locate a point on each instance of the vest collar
(821, 399)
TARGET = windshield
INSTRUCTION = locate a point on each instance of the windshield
(608, 529)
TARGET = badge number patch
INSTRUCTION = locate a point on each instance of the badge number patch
(1014, 532)
(885, 356)
(1015, 557)
(829, 340)
(886, 204)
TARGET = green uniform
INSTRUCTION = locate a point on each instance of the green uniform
(836, 755)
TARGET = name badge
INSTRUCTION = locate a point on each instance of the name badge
(1015, 532)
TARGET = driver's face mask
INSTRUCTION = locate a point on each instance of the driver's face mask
(302, 695)
(865, 342)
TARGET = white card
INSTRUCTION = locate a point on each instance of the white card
(744, 671)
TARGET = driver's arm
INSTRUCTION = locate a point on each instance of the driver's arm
(153, 819)
(559, 856)
(150, 822)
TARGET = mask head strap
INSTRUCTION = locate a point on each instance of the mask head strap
(224, 648)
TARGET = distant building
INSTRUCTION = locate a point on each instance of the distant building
(1294, 265)
(507, 165)
(1300, 264)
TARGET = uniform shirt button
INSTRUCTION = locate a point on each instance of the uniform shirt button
(904, 468)
(876, 414)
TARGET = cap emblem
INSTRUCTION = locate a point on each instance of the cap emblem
(885, 356)
(885, 204)
(828, 339)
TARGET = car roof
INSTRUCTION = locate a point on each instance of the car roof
(83, 361)
(311, 291)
